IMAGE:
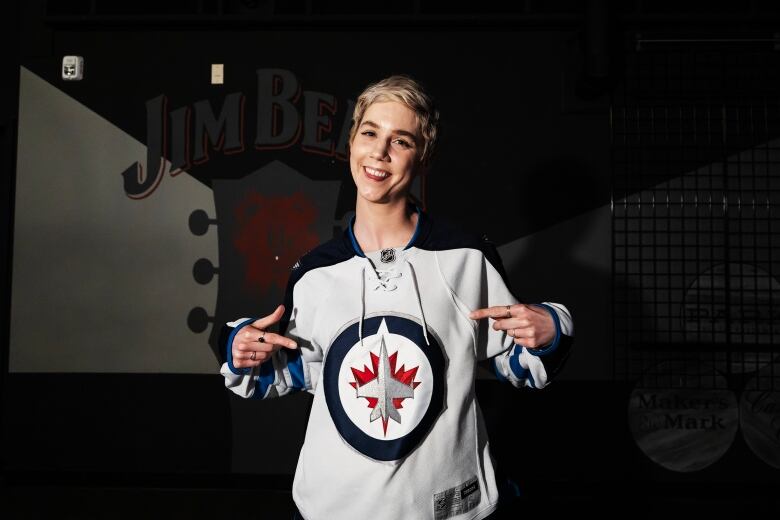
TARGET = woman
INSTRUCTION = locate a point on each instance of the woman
(385, 326)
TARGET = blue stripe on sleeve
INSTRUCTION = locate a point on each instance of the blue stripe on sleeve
(295, 365)
(531, 379)
(517, 369)
(265, 379)
(514, 363)
(498, 373)
(554, 345)
(229, 353)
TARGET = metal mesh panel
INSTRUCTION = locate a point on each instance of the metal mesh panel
(696, 242)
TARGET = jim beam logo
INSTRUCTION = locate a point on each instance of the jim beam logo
(735, 305)
(184, 136)
(683, 421)
(759, 416)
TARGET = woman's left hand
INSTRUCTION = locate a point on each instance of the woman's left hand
(531, 325)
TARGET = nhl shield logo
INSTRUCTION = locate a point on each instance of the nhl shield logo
(385, 395)
(387, 256)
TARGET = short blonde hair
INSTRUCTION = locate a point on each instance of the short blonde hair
(405, 90)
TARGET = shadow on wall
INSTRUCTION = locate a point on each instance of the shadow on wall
(569, 262)
(583, 414)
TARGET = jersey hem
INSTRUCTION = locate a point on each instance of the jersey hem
(489, 510)
(481, 514)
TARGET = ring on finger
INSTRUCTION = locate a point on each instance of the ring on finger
(262, 338)
(508, 312)
(252, 357)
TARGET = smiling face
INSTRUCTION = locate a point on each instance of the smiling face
(385, 153)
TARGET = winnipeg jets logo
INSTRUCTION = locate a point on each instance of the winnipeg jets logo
(379, 395)
(384, 394)
(385, 388)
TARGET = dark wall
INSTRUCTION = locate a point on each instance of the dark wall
(525, 96)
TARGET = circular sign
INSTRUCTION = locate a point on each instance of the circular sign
(734, 305)
(759, 415)
(683, 418)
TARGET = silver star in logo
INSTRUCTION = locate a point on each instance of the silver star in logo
(384, 388)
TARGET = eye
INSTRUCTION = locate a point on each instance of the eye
(403, 143)
(369, 133)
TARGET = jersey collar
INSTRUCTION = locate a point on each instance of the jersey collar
(419, 232)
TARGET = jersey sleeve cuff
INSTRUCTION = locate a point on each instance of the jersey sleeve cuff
(549, 349)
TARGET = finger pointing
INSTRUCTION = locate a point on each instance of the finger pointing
(267, 321)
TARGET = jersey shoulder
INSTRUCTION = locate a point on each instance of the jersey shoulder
(438, 234)
(328, 253)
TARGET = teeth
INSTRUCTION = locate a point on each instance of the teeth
(376, 173)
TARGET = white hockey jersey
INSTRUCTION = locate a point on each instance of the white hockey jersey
(386, 346)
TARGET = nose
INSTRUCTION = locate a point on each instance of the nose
(379, 151)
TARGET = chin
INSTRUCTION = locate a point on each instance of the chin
(374, 198)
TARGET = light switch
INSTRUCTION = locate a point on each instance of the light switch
(72, 68)
(217, 73)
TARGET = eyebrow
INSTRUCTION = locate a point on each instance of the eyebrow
(399, 132)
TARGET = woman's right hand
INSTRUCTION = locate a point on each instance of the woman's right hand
(253, 345)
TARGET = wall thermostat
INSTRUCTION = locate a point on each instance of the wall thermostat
(72, 68)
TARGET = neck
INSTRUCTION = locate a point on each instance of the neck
(382, 226)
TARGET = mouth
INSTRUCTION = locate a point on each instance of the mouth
(374, 174)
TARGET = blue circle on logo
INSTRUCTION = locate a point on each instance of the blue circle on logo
(371, 447)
